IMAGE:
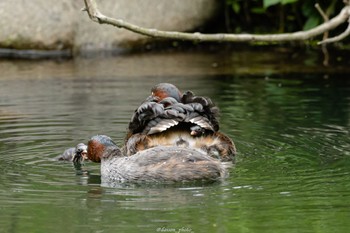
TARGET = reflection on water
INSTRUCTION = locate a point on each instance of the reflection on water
(291, 131)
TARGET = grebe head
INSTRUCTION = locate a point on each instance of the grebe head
(164, 90)
(99, 147)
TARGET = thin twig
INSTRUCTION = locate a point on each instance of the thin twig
(96, 16)
(325, 35)
(322, 13)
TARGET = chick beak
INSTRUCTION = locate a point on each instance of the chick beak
(84, 155)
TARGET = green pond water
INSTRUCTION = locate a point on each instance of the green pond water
(289, 119)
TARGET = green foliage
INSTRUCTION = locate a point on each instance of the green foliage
(236, 7)
(279, 15)
(267, 3)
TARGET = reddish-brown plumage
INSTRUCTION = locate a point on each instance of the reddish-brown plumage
(95, 150)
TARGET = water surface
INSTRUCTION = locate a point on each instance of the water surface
(291, 128)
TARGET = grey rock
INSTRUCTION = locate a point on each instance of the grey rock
(59, 25)
(37, 24)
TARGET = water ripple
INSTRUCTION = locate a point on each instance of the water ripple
(292, 136)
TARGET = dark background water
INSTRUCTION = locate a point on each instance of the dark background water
(289, 120)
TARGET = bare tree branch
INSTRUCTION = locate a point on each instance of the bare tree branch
(342, 17)
(339, 37)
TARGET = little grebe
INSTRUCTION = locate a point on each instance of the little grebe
(162, 163)
(169, 118)
(75, 154)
